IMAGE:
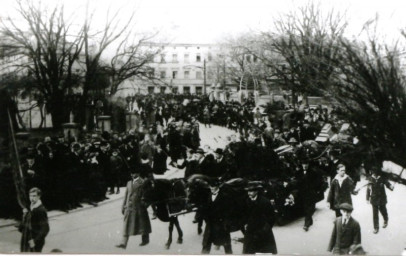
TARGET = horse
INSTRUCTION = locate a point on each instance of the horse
(233, 192)
(168, 197)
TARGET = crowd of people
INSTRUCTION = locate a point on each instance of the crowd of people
(278, 150)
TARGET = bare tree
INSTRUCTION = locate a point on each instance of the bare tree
(47, 50)
(301, 49)
(131, 61)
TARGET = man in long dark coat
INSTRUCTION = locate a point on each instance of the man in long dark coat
(136, 219)
(310, 182)
(216, 231)
(258, 236)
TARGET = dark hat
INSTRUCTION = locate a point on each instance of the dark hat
(30, 155)
(199, 151)
(214, 182)
(144, 156)
(76, 145)
(254, 186)
(134, 171)
(347, 207)
(219, 151)
(103, 144)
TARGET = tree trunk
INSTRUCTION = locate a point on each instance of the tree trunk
(58, 110)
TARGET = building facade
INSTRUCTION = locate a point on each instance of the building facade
(184, 69)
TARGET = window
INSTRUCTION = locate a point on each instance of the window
(162, 58)
(186, 74)
(174, 74)
(248, 58)
(175, 90)
(255, 58)
(209, 57)
(198, 58)
(163, 74)
(174, 58)
(151, 73)
(209, 75)
(198, 74)
(151, 89)
(162, 89)
(186, 89)
(199, 90)
(186, 57)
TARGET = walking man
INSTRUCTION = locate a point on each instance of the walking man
(341, 188)
(216, 231)
(136, 219)
(35, 225)
(258, 236)
(376, 196)
(346, 232)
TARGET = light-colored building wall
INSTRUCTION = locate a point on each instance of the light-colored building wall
(182, 68)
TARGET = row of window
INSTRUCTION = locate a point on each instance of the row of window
(186, 57)
(249, 58)
(186, 75)
(186, 89)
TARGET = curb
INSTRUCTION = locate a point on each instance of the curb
(57, 213)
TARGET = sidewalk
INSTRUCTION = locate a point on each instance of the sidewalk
(170, 174)
(56, 213)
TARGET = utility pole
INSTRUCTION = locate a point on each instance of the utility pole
(204, 77)
(224, 72)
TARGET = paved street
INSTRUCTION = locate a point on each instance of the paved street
(98, 229)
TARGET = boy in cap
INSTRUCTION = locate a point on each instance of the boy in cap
(346, 232)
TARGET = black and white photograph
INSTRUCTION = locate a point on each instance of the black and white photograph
(184, 127)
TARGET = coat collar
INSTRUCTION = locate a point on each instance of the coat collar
(36, 205)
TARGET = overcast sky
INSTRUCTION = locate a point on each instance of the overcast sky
(206, 21)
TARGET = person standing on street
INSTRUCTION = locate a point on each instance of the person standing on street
(216, 231)
(346, 232)
(376, 196)
(258, 237)
(136, 219)
(341, 188)
(34, 227)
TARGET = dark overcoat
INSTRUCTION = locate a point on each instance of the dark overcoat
(259, 237)
(217, 231)
(136, 219)
(376, 190)
(34, 226)
(343, 237)
(340, 194)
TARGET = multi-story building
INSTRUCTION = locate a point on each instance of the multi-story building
(184, 68)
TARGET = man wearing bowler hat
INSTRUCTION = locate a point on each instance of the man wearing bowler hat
(258, 236)
(216, 231)
(346, 232)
